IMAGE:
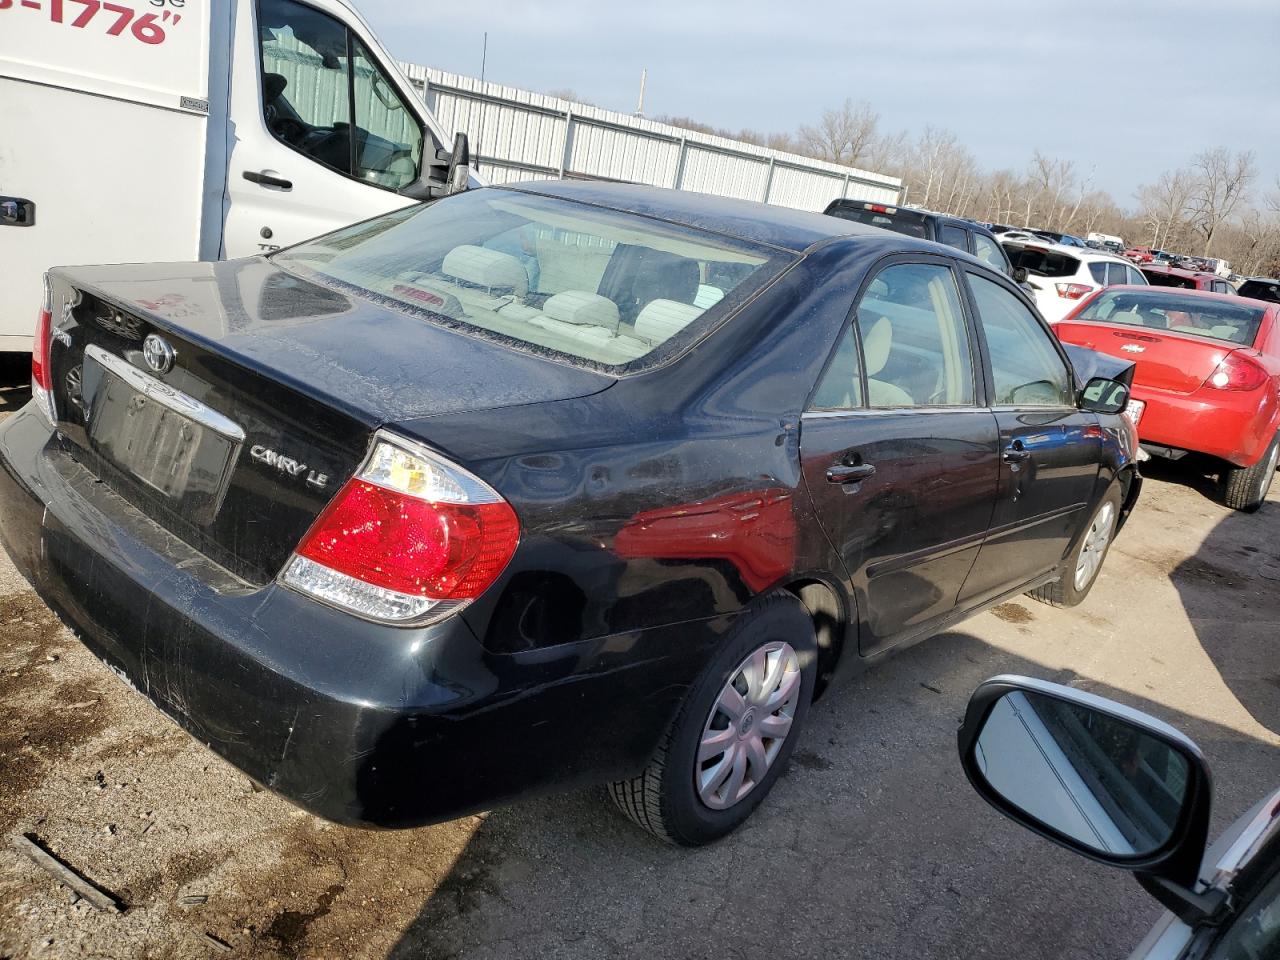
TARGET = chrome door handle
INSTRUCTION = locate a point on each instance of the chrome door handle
(848, 473)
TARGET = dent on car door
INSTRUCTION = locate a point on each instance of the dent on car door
(1049, 449)
(899, 455)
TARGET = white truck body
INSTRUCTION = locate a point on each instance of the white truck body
(127, 131)
(1104, 241)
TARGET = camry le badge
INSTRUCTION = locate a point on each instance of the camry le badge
(158, 354)
(1133, 348)
(288, 465)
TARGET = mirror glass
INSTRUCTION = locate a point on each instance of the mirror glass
(1104, 784)
(1105, 396)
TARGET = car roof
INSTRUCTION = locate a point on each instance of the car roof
(794, 230)
(1178, 271)
(1082, 253)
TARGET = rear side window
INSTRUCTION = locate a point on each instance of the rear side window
(841, 385)
(1026, 369)
(953, 237)
(1117, 273)
(1135, 276)
(988, 251)
(1044, 263)
(1099, 273)
(915, 342)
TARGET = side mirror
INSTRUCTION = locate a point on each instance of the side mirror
(1101, 395)
(1101, 779)
(1019, 274)
(445, 175)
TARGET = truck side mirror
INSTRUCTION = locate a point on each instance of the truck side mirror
(444, 175)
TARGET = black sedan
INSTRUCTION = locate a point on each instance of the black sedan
(534, 487)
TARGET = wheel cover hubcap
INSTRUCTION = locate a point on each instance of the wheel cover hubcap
(1095, 545)
(748, 725)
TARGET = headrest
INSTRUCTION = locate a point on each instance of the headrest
(273, 85)
(486, 268)
(707, 296)
(876, 344)
(582, 309)
(661, 320)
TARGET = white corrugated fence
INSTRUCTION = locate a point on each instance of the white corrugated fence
(521, 135)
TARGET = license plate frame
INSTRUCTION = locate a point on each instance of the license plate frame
(167, 440)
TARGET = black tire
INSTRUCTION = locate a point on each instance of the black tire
(1065, 592)
(1245, 488)
(663, 799)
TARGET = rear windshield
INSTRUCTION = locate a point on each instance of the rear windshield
(1043, 263)
(910, 224)
(597, 287)
(1261, 290)
(1166, 310)
(1158, 278)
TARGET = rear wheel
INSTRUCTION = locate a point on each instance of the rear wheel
(734, 733)
(1244, 488)
(1083, 565)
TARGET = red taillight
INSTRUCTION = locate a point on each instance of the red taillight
(410, 538)
(879, 208)
(444, 551)
(41, 370)
(1237, 372)
(1072, 291)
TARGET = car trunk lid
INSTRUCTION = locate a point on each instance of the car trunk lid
(267, 402)
(1166, 360)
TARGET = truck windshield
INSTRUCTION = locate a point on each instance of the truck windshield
(598, 287)
(1177, 313)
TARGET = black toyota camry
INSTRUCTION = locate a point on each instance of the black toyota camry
(540, 486)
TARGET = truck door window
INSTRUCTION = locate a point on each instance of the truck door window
(952, 237)
(305, 87)
(389, 140)
(314, 73)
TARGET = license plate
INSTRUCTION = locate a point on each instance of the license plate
(164, 438)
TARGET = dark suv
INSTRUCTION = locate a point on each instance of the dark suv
(927, 225)
(1261, 288)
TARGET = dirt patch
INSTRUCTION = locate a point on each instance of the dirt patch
(808, 760)
(44, 720)
(1204, 571)
(1013, 613)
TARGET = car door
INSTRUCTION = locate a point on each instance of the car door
(899, 454)
(1050, 449)
(323, 137)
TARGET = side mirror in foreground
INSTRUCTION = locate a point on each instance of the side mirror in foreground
(1103, 780)
(1101, 395)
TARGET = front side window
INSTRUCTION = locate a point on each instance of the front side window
(915, 344)
(313, 69)
(592, 286)
(1026, 369)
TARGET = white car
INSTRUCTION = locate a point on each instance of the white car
(1060, 277)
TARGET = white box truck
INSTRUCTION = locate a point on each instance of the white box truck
(169, 130)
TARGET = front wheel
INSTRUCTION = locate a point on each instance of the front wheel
(1085, 561)
(1244, 488)
(734, 733)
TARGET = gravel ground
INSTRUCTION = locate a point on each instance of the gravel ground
(873, 845)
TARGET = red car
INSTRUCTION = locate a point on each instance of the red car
(1207, 378)
(1139, 254)
(1163, 275)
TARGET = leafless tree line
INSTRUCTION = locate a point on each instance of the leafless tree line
(1209, 207)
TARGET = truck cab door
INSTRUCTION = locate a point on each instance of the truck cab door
(324, 130)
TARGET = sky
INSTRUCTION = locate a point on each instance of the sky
(1125, 88)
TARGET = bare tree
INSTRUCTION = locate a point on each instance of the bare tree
(1222, 180)
(843, 135)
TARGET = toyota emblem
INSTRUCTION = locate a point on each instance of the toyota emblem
(158, 353)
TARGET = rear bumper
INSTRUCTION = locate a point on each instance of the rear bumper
(356, 722)
(1233, 426)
